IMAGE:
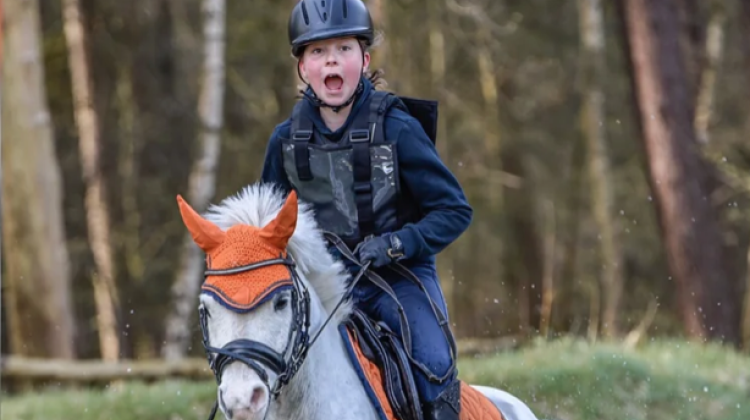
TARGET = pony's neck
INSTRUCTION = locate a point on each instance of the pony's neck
(326, 386)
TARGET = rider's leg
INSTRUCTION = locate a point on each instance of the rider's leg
(440, 401)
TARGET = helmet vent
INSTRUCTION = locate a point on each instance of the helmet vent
(325, 16)
(346, 9)
(304, 14)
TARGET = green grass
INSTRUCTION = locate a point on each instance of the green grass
(171, 400)
(565, 380)
(663, 380)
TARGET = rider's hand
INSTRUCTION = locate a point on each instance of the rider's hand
(381, 250)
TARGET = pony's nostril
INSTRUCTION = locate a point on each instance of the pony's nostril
(258, 398)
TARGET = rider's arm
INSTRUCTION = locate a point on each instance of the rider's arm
(435, 189)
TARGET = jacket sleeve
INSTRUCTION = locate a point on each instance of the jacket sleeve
(447, 213)
(273, 164)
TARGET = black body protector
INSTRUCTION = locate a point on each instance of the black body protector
(353, 184)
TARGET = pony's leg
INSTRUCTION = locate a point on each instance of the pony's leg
(511, 407)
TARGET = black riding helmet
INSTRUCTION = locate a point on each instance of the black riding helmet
(315, 20)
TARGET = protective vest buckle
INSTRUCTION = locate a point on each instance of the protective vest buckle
(359, 136)
(302, 135)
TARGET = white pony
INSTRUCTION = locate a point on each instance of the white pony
(256, 238)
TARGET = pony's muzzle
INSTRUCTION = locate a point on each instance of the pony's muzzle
(239, 405)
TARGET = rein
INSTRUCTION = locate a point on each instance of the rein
(400, 269)
(255, 354)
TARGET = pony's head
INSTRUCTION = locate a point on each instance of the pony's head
(269, 281)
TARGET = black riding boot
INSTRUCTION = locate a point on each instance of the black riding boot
(447, 406)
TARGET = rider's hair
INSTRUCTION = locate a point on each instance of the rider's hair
(376, 76)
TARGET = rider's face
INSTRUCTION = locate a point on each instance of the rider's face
(333, 67)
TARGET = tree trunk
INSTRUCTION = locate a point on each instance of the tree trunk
(593, 126)
(527, 234)
(202, 182)
(691, 40)
(2, 41)
(438, 69)
(549, 241)
(379, 13)
(492, 161)
(97, 212)
(689, 229)
(488, 87)
(745, 25)
(745, 323)
(130, 148)
(713, 53)
(37, 274)
(448, 259)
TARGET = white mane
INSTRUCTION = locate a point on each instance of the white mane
(257, 205)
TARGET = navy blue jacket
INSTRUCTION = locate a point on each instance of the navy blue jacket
(435, 191)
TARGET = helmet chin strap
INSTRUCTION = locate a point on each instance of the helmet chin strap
(335, 108)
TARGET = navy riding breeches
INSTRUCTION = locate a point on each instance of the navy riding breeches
(429, 345)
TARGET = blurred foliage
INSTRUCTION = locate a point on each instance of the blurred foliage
(146, 56)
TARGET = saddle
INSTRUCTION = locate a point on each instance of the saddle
(384, 358)
(382, 346)
(391, 351)
(383, 368)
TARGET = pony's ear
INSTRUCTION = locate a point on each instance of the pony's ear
(205, 234)
(279, 230)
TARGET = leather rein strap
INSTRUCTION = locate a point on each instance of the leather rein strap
(405, 331)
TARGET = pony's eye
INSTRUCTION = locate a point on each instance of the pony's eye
(280, 303)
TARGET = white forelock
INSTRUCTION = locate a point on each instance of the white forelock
(257, 205)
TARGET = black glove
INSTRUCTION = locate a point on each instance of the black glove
(381, 250)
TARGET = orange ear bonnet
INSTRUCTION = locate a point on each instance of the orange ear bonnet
(228, 253)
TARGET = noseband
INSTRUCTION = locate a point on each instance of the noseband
(256, 355)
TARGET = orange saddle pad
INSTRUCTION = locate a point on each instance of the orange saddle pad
(474, 405)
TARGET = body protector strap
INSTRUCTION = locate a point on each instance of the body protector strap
(367, 129)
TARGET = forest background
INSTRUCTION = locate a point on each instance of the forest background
(604, 146)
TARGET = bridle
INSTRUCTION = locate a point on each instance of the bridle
(258, 356)
(285, 365)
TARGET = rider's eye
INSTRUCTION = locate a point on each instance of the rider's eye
(280, 303)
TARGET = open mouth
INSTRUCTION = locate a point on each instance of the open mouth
(333, 81)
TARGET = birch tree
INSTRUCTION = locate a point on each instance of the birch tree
(591, 23)
(97, 212)
(202, 182)
(36, 284)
